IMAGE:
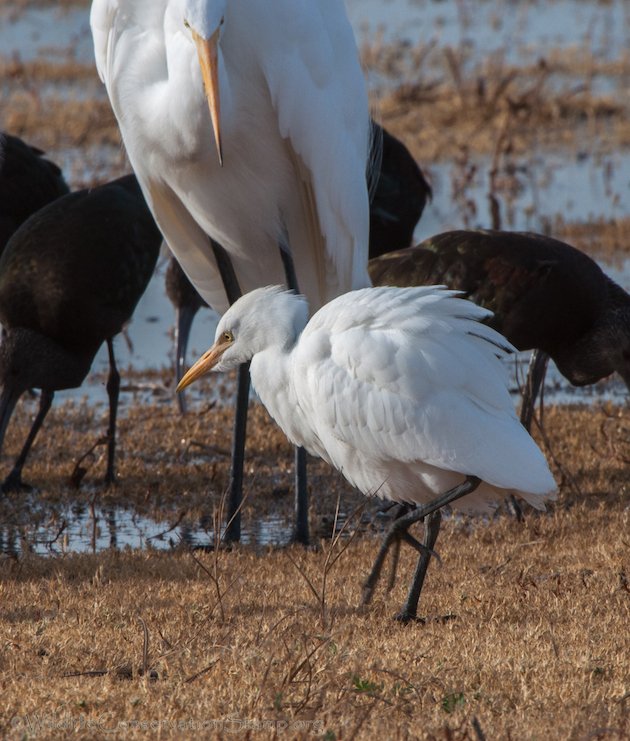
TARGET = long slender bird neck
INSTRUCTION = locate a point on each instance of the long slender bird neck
(29, 359)
(270, 331)
(605, 348)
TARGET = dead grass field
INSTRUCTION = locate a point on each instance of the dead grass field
(527, 625)
(527, 632)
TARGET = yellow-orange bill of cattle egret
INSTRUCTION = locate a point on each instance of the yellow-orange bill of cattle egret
(403, 390)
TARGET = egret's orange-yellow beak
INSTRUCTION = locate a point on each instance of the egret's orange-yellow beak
(205, 363)
(209, 61)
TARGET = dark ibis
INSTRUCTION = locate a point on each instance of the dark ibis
(400, 195)
(399, 198)
(546, 295)
(70, 278)
(28, 181)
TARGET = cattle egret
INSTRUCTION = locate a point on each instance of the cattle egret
(401, 389)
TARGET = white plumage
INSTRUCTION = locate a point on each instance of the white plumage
(401, 389)
(292, 122)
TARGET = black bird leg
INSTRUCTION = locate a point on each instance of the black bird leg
(432, 524)
(233, 292)
(535, 377)
(399, 530)
(300, 532)
(183, 323)
(13, 481)
(400, 509)
(113, 392)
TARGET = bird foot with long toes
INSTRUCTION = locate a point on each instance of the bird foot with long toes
(13, 482)
(405, 617)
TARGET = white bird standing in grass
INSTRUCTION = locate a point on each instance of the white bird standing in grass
(401, 389)
(246, 122)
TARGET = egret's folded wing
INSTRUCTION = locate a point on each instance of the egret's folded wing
(411, 378)
(186, 239)
(103, 15)
(318, 90)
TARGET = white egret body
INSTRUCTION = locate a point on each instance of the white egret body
(288, 105)
(401, 389)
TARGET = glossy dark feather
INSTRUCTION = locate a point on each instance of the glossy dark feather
(399, 198)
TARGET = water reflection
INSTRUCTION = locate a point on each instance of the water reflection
(81, 528)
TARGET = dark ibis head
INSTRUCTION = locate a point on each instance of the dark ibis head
(187, 302)
(605, 348)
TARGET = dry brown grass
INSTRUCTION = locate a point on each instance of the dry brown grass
(535, 645)
(443, 107)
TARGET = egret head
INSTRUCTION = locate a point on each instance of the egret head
(204, 19)
(266, 317)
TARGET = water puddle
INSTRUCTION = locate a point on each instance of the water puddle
(79, 528)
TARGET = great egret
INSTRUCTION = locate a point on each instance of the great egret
(400, 389)
(287, 102)
(397, 201)
(545, 295)
(70, 278)
(28, 182)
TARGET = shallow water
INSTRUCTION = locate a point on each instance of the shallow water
(524, 30)
(78, 528)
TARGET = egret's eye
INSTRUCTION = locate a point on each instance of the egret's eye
(227, 336)
(222, 21)
(186, 24)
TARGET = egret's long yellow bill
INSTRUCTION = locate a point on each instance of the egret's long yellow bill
(209, 61)
(205, 364)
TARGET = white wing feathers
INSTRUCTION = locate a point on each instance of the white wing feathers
(321, 102)
(102, 19)
(413, 376)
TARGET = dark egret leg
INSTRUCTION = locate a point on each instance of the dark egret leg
(535, 377)
(300, 532)
(13, 481)
(233, 292)
(183, 323)
(432, 524)
(113, 392)
(400, 510)
(399, 530)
